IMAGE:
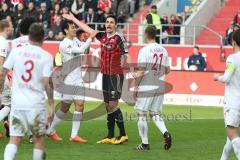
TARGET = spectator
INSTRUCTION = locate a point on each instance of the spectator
(90, 4)
(5, 11)
(18, 14)
(121, 10)
(154, 19)
(196, 61)
(31, 11)
(47, 2)
(236, 19)
(50, 36)
(66, 3)
(132, 7)
(89, 18)
(234, 27)
(100, 19)
(46, 28)
(102, 4)
(57, 25)
(107, 12)
(165, 29)
(65, 10)
(174, 30)
(60, 36)
(56, 11)
(44, 13)
(78, 8)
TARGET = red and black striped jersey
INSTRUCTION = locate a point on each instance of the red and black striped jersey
(112, 49)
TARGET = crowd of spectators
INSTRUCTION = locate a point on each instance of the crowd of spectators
(235, 25)
(170, 26)
(49, 12)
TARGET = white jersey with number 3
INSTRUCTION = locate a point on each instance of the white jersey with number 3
(30, 65)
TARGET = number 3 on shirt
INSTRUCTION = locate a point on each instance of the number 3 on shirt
(28, 64)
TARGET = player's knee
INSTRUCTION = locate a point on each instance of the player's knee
(153, 114)
(39, 143)
(142, 116)
(15, 140)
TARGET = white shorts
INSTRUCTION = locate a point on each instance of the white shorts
(74, 79)
(6, 96)
(150, 104)
(231, 117)
(27, 122)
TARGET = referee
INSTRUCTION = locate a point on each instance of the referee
(113, 51)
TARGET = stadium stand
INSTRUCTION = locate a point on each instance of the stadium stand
(220, 23)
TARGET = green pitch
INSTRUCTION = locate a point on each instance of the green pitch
(198, 134)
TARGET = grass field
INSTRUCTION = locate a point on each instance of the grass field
(198, 134)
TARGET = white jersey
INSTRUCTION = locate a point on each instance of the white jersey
(70, 49)
(232, 87)
(4, 47)
(20, 41)
(30, 64)
(154, 58)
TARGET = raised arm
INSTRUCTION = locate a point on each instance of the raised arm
(83, 26)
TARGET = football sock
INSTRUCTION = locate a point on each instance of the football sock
(4, 112)
(236, 147)
(110, 124)
(56, 120)
(38, 154)
(120, 122)
(143, 129)
(76, 120)
(228, 148)
(10, 151)
(159, 123)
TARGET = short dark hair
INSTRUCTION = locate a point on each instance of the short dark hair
(4, 24)
(25, 25)
(236, 37)
(36, 32)
(151, 32)
(65, 25)
(154, 7)
(196, 47)
(113, 17)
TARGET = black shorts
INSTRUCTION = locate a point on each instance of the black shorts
(112, 87)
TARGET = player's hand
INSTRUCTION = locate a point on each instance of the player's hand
(215, 77)
(69, 16)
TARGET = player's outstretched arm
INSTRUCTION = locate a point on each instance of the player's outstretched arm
(49, 91)
(224, 78)
(83, 26)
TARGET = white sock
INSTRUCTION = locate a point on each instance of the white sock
(159, 123)
(228, 148)
(10, 151)
(77, 117)
(4, 112)
(56, 120)
(143, 129)
(236, 147)
(38, 154)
